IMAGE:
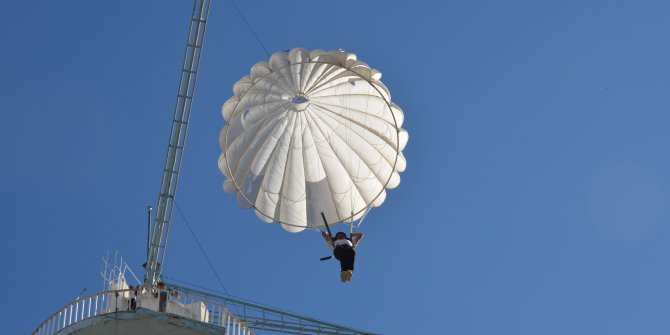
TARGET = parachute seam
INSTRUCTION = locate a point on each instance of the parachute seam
(268, 77)
(243, 178)
(395, 121)
(343, 74)
(306, 78)
(296, 70)
(345, 169)
(265, 92)
(279, 206)
(271, 79)
(317, 102)
(265, 174)
(372, 130)
(261, 187)
(354, 133)
(304, 155)
(252, 139)
(298, 120)
(331, 71)
(287, 79)
(344, 83)
(330, 187)
(246, 94)
(315, 77)
(357, 154)
(280, 109)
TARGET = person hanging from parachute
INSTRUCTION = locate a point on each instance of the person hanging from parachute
(309, 134)
(344, 250)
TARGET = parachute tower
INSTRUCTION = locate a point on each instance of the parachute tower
(302, 110)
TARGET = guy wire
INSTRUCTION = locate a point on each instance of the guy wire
(249, 26)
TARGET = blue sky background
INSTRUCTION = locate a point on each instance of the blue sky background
(534, 202)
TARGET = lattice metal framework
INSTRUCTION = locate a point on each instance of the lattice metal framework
(173, 158)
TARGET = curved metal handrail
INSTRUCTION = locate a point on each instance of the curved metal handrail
(179, 304)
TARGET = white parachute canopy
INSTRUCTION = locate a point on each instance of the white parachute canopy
(310, 133)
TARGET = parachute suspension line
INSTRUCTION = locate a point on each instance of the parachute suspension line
(203, 252)
(360, 222)
(348, 123)
(249, 26)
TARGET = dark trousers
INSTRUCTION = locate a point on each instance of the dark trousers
(346, 256)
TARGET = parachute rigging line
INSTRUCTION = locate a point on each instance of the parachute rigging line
(360, 222)
(249, 26)
(203, 252)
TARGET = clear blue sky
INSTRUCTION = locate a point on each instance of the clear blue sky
(534, 202)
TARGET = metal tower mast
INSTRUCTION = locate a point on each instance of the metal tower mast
(175, 151)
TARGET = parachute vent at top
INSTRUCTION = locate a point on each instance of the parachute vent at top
(311, 132)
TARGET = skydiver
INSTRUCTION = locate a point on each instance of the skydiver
(344, 250)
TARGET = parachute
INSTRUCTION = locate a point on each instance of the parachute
(309, 133)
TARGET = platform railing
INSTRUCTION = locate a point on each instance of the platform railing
(194, 308)
(264, 319)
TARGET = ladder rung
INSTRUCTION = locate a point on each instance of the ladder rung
(184, 96)
(193, 46)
